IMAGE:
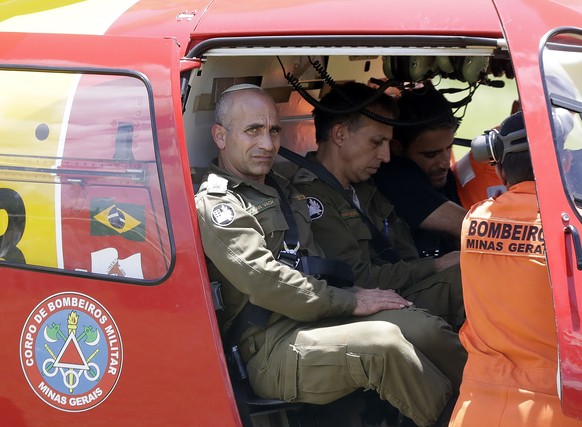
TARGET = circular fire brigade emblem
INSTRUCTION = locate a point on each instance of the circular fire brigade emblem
(71, 352)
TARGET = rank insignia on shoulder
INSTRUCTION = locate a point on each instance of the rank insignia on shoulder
(217, 184)
(223, 215)
(315, 208)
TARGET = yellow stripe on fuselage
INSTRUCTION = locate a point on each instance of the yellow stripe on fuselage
(36, 100)
(65, 17)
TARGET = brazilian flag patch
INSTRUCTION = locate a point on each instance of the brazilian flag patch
(117, 219)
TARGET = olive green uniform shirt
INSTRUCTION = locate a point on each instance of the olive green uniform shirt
(243, 229)
(342, 233)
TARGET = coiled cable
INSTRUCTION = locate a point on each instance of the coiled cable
(361, 107)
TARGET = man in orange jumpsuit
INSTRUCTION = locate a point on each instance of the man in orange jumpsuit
(510, 332)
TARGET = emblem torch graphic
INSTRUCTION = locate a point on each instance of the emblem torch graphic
(71, 352)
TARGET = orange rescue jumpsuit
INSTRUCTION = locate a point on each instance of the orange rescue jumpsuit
(475, 181)
(510, 332)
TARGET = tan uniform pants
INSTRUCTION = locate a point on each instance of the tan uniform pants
(441, 294)
(412, 359)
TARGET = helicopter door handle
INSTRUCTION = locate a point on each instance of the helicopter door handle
(570, 229)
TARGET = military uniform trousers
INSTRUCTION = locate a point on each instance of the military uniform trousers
(441, 294)
(410, 358)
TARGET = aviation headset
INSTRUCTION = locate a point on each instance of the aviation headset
(493, 146)
(415, 68)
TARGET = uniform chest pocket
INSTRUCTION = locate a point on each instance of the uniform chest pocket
(301, 212)
(272, 221)
(358, 228)
(275, 225)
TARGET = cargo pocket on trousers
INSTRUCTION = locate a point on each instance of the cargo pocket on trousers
(289, 381)
(357, 371)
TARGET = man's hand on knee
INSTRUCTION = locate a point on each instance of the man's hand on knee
(370, 301)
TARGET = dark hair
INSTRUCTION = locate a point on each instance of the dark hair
(356, 94)
(516, 165)
(422, 105)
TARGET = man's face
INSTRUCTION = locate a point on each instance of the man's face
(364, 150)
(250, 139)
(431, 151)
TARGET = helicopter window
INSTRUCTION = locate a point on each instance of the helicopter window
(79, 183)
(562, 68)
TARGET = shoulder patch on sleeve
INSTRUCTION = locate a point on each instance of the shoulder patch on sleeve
(223, 214)
(217, 184)
(315, 208)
